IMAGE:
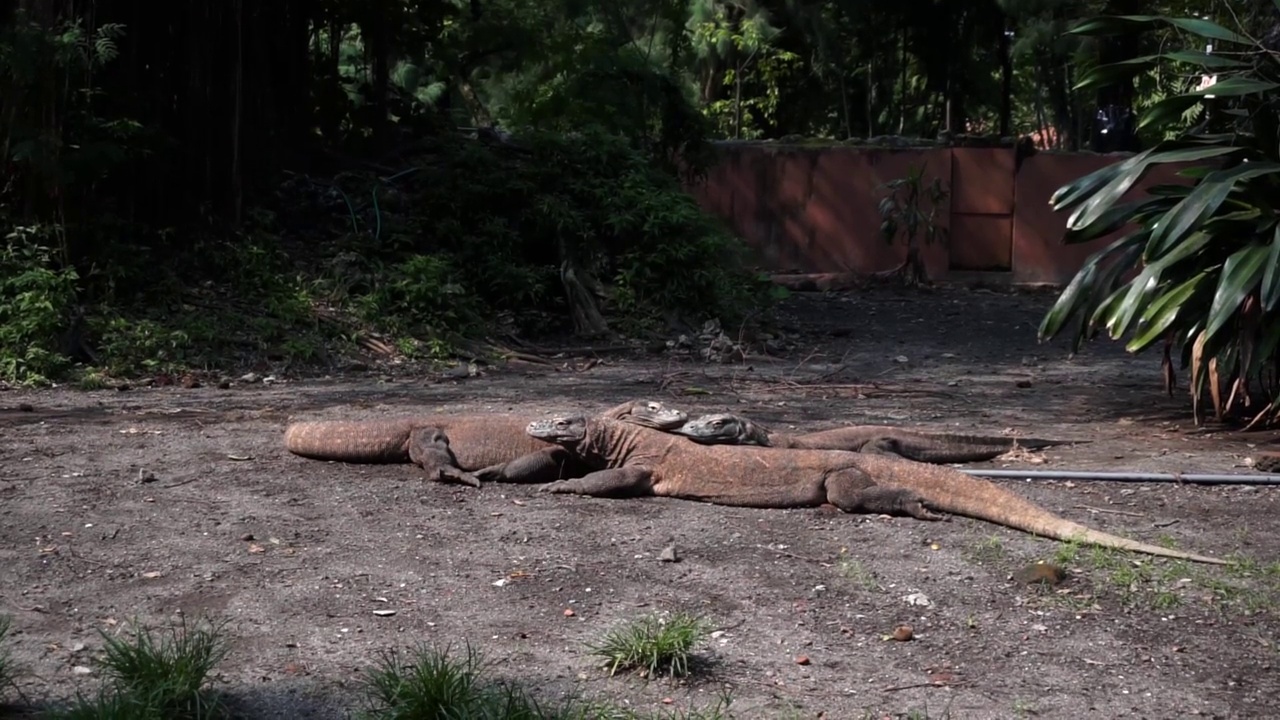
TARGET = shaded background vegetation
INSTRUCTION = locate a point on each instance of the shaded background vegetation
(223, 184)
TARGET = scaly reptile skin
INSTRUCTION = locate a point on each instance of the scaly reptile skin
(631, 461)
(938, 448)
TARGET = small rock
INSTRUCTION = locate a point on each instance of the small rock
(1040, 572)
(247, 537)
(568, 612)
(249, 378)
(81, 670)
(903, 633)
(802, 659)
(26, 407)
(918, 599)
(1023, 384)
(224, 385)
(668, 554)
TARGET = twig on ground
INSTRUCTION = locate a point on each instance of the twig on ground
(1111, 512)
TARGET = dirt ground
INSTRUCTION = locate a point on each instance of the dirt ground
(140, 503)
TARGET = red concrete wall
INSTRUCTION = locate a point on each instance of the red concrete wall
(814, 208)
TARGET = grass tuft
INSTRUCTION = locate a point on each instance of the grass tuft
(156, 674)
(652, 646)
(433, 684)
(167, 669)
(8, 671)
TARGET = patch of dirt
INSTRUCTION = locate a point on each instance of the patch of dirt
(122, 504)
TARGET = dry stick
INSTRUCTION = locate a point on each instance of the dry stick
(1112, 512)
(921, 685)
(803, 360)
(840, 366)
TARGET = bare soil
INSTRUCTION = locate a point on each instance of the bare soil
(153, 502)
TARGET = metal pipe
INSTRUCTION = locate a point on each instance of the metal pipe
(1189, 478)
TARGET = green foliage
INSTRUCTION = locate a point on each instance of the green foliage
(741, 40)
(652, 646)
(422, 296)
(433, 684)
(35, 297)
(46, 78)
(157, 674)
(8, 670)
(1206, 252)
(483, 229)
(605, 90)
(909, 209)
(184, 258)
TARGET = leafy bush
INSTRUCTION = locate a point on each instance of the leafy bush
(1200, 266)
(36, 295)
(505, 219)
(157, 675)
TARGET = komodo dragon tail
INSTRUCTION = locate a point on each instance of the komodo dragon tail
(1000, 442)
(948, 490)
(364, 441)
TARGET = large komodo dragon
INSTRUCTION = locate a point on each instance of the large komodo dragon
(729, 429)
(460, 448)
(632, 461)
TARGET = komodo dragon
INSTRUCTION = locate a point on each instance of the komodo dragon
(632, 461)
(480, 446)
(927, 447)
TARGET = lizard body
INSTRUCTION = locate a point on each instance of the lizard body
(628, 460)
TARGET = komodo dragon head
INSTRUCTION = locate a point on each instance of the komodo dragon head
(561, 429)
(650, 413)
(719, 429)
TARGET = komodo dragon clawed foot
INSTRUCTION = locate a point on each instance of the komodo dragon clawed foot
(429, 450)
(895, 501)
(611, 483)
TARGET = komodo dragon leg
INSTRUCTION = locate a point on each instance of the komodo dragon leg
(612, 483)
(534, 468)
(852, 490)
(429, 449)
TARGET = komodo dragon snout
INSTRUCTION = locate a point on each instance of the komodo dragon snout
(559, 429)
(713, 429)
(651, 413)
